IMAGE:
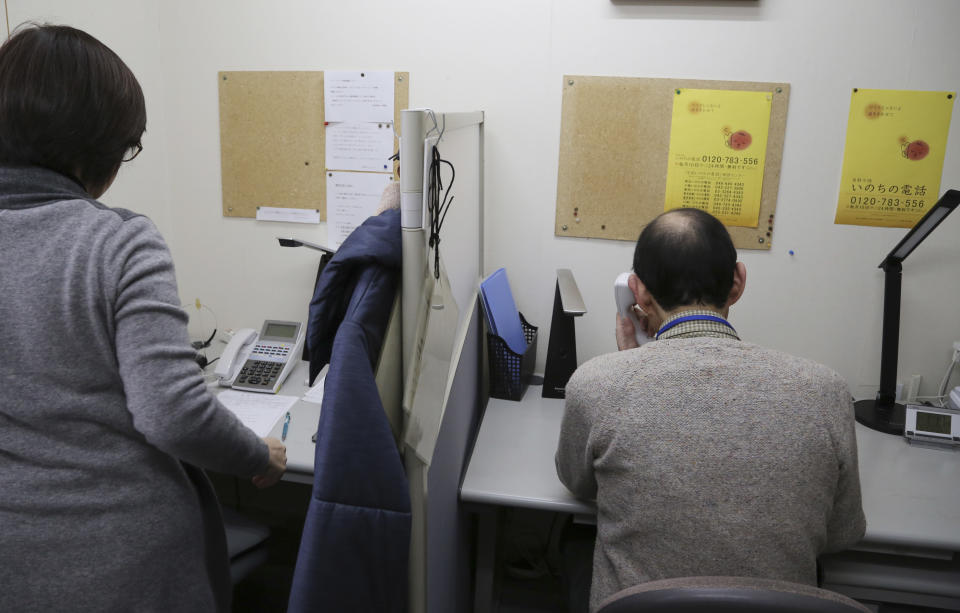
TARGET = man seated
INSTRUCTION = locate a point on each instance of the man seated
(707, 455)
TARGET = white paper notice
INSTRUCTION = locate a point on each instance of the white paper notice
(359, 146)
(351, 198)
(315, 393)
(357, 96)
(259, 412)
(276, 213)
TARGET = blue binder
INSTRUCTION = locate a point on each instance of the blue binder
(503, 319)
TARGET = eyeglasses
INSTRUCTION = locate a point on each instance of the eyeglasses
(129, 157)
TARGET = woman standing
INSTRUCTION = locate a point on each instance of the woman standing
(104, 415)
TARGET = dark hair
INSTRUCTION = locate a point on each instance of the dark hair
(68, 103)
(685, 257)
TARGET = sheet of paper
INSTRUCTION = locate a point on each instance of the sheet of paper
(275, 213)
(259, 412)
(893, 157)
(357, 96)
(438, 319)
(359, 146)
(718, 144)
(315, 393)
(351, 198)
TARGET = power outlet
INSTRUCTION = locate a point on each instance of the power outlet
(956, 351)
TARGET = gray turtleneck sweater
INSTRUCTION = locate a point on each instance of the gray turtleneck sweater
(710, 456)
(103, 414)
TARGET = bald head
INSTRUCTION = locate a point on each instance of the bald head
(680, 224)
(685, 257)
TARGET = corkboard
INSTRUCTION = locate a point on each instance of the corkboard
(614, 143)
(272, 144)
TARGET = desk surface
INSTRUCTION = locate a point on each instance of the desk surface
(911, 495)
(304, 417)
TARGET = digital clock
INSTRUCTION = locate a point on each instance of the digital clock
(932, 425)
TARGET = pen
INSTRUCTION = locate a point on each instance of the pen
(286, 424)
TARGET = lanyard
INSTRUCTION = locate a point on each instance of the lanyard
(686, 318)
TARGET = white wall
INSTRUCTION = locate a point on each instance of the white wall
(507, 58)
(132, 29)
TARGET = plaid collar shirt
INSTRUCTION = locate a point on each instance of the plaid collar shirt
(697, 328)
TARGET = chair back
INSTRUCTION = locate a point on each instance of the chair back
(727, 595)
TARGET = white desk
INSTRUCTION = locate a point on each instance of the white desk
(911, 495)
(304, 417)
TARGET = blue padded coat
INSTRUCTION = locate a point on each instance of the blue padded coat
(354, 550)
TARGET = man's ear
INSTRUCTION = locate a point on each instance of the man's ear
(640, 293)
(739, 283)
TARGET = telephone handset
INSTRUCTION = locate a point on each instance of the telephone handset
(234, 355)
(626, 305)
(260, 363)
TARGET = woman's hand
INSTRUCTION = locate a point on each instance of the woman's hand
(275, 467)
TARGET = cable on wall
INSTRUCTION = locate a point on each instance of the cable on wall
(438, 205)
(199, 346)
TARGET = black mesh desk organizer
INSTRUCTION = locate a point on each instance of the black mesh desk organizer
(510, 372)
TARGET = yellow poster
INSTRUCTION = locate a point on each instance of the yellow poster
(893, 158)
(718, 141)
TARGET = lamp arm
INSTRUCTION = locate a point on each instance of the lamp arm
(890, 344)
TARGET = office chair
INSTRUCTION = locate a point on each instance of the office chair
(246, 543)
(727, 595)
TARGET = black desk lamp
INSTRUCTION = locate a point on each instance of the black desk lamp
(883, 413)
(296, 242)
(327, 255)
(562, 350)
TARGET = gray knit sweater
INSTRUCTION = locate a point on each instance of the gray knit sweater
(101, 406)
(710, 456)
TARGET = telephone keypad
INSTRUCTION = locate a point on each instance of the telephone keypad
(264, 366)
(259, 373)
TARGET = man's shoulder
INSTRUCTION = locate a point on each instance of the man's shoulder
(614, 371)
(797, 365)
(599, 367)
(655, 358)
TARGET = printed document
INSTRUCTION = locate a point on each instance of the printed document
(351, 198)
(259, 412)
(360, 146)
(357, 96)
